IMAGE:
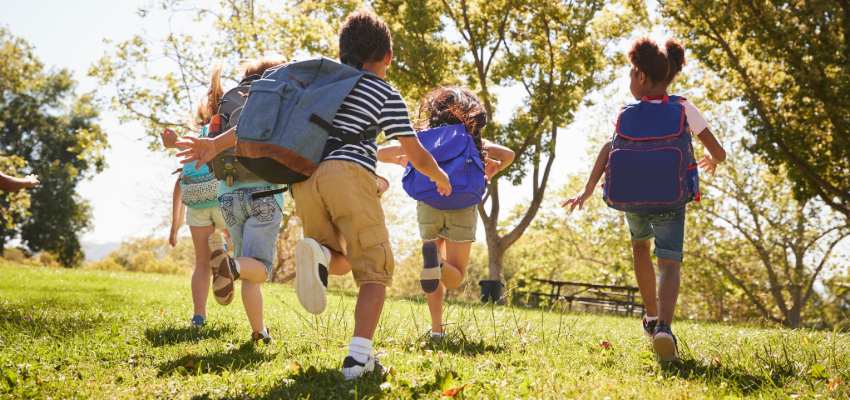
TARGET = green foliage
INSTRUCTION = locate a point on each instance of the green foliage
(54, 132)
(95, 334)
(790, 62)
(149, 255)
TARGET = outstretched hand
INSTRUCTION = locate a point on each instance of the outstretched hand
(577, 201)
(199, 150)
(708, 164)
(29, 181)
(169, 138)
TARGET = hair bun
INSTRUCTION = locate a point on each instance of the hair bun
(675, 56)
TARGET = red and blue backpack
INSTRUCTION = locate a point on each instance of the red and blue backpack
(651, 167)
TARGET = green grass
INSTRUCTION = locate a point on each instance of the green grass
(88, 334)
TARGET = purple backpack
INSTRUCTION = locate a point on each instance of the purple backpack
(651, 167)
(455, 151)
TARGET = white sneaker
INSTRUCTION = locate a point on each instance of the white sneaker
(352, 369)
(311, 275)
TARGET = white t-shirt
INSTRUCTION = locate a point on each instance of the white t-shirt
(695, 119)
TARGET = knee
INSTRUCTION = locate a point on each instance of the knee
(453, 282)
(640, 246)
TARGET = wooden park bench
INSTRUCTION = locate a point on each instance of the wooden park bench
(608, 298)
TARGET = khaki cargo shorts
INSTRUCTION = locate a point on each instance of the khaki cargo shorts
(339, 207)
(453, 225)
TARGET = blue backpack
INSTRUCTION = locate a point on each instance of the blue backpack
(286, 120)
(651, 167)
(455, 151)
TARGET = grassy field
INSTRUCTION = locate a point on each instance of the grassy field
(86, 334)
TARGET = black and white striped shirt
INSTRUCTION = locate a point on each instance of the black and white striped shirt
(372, 103)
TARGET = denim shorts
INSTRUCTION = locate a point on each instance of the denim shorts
(253, 225)
(668, 229)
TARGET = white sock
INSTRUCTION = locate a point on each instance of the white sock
(647, 318)
(360, 349)
(237, 266)
(265, 332)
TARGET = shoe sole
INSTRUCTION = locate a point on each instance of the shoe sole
(228, 298)
(308, 284)
(665, 347)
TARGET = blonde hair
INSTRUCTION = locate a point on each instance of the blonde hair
(209, 104)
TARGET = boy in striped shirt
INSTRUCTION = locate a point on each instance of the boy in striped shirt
(344, 228)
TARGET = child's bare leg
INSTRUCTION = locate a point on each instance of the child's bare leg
(367, 312)
(201, 274)
(252, 270)
(252, 299)
(435, 306)
(456, 259)
(668, 288)
(645, 275)
(339, 264)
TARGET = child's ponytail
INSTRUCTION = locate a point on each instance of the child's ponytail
(209, 105)
(675, 57)
(453, 105)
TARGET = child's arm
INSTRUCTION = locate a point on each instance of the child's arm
(392, 154)
(716, 153)
(177, 210)
(13, 184)
(698, 125)
(203, 150)
(424, 162)
(592, 181)
(498, 158)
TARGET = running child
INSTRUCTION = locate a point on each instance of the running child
(252, 216)
(448, 233)
(652, 149)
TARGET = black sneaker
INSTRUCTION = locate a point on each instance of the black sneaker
(353, 369)
(649, 326)
(258, 336)
(664, 343)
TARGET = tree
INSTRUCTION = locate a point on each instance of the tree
(789, 61)
(159, 80)
(55, 133)
(551, 52)
(772, 247)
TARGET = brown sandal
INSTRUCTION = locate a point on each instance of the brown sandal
(222, 278)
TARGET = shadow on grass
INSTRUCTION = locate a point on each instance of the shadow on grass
(168, 335)
(242, 357)
(318, 384)
(747, 383)
(463, 346)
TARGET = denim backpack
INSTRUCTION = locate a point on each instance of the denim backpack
(455, 151)
(651, 167)
(286, 120)
(198, 186)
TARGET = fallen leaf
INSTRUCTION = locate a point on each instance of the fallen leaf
(834, 384)
(453, 392)
(294, 367)
(605, 344)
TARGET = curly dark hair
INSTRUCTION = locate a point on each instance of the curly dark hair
(363, 38)
(450, 105)
(648, 58)
(675, 58)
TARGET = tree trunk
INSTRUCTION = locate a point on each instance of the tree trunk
(495, 255)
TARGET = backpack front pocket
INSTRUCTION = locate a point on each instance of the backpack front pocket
(638, 177)
(267, 100)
